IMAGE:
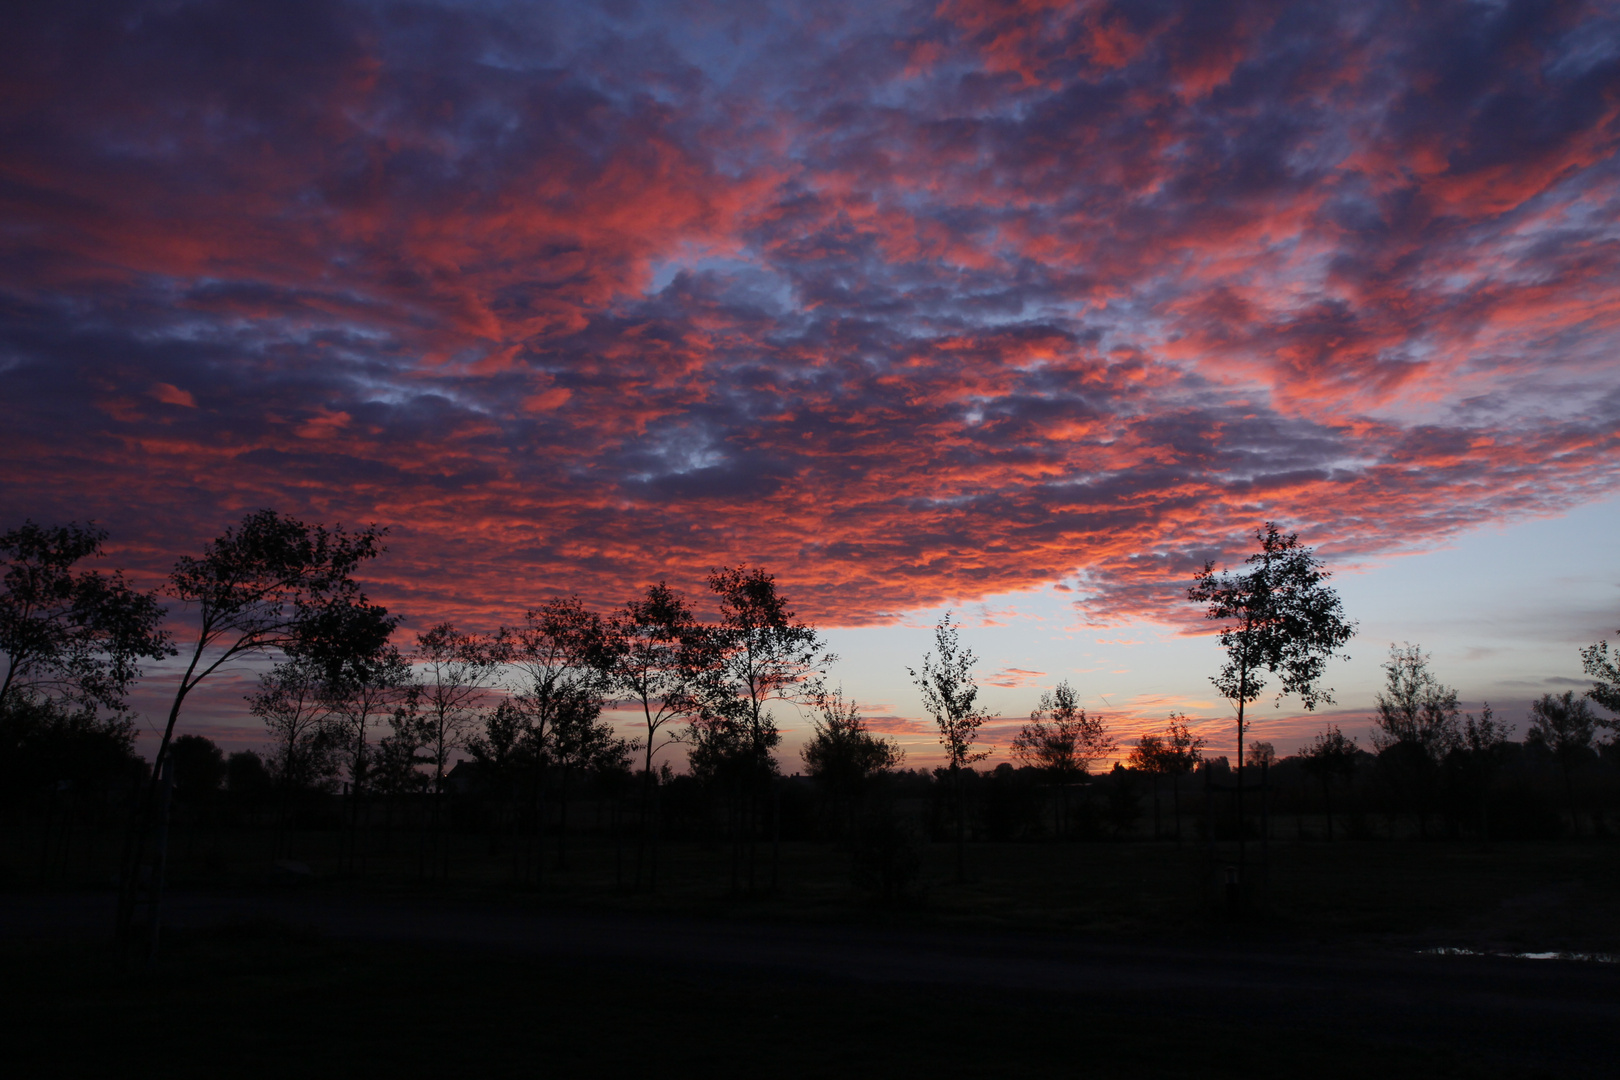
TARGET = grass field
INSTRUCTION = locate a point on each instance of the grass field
(260, 1000)
(1512, 895)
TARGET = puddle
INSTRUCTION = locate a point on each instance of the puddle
(1586, 957)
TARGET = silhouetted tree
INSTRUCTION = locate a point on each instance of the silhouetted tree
(562, 657)
(582, 742)
(756, 653)
(1180, 753)
(453, 671)
(1279, 618)
(291, 701)
(271, 582)
(1061, 740)
(71, 636)
(1417, 728)
(199, 766)
(1329, 755)
(43, 744)
(843, 755)
(362, 692)
(246, 775)
(1476, 757)
(1563, 725)
(951, 698)
(657, 655)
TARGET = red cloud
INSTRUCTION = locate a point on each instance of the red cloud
(1050, 292)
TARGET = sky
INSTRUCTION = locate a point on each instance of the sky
(1020, 310)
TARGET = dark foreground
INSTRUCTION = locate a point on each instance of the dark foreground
(251, 986)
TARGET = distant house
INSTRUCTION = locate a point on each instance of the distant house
(464, 779)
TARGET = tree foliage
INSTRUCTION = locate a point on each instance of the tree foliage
(842, 753)
(755, 654)
(656, 657)
(1279, 618)
(1061, 738)
(70, 635)
(1604, 668)
(951, 696)
(452, 673)
(293, 704)
(1415, 708)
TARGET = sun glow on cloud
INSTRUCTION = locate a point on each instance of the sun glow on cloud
(906, 305)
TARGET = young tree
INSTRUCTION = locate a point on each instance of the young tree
(1062, 740)
(657, 654)
(1181, 754)
(1478, 755)
(951, 698)
(70, 636)
(757, 653)
(1563, 726)
(582, 742)
(199, 766)
(270, 583)
(453, 671)
(1329, 755)
(842, 755)
(291, 700)
(561, 659)
(359, 694)
(1278, 618)
(1417, 728)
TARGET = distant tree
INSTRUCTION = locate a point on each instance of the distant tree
(561, 660)
(291, 701)
(1330, 755)
(1279, 618)
(44, 743)
(360, 694)
(71, 636)
(396, 764)
(757, 654)
(1563, 726)
(453, 671)
(952, 699)
(275, 583)
(1182, 752)
(582, 742)
(658, 652)
(843, 755)
(1477, 756)
(1416, 728)
(1414, 707)
(246, 775)
(1062, 740)
(199, 766)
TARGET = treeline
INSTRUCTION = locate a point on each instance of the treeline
(364, 732)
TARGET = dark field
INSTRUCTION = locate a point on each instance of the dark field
(1514, 896)
(1055, 959)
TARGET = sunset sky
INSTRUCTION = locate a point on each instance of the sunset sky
(1022, 310)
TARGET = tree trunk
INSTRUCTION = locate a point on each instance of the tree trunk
(961, 825)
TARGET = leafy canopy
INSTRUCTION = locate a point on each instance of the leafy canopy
(1279, 618)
